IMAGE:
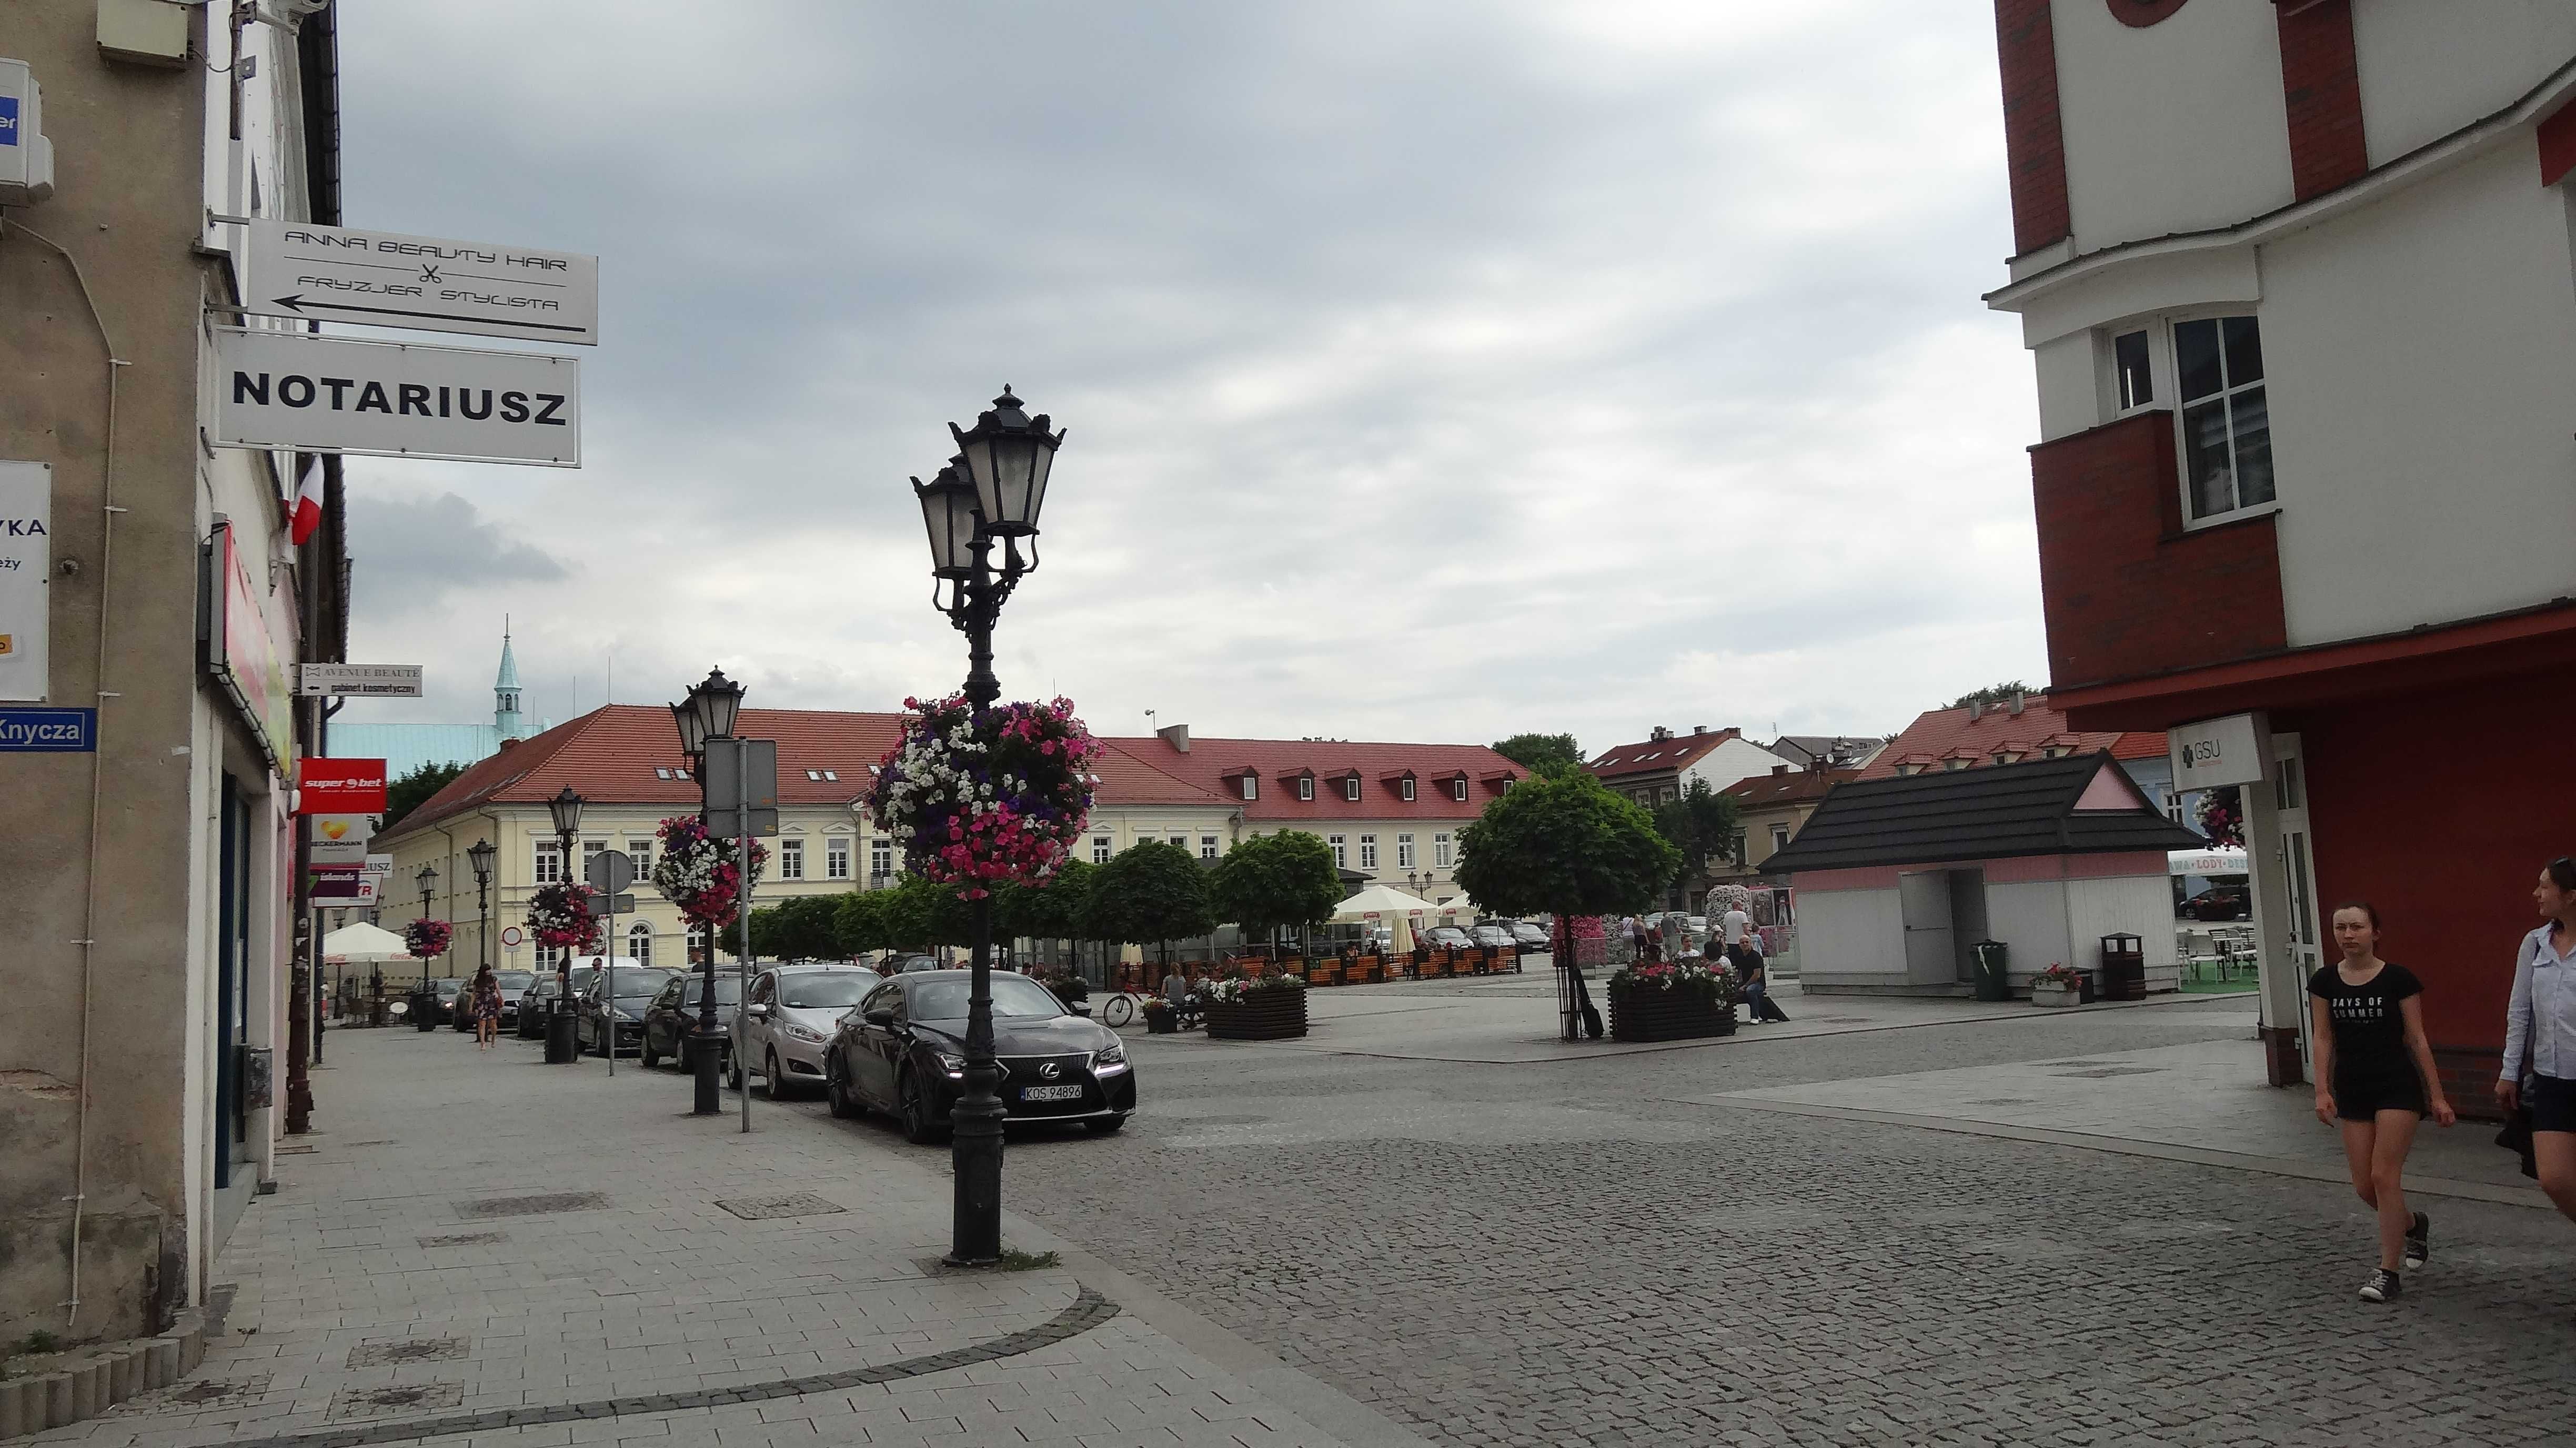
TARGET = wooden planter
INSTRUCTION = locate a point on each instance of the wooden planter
(1262, 1015)
(1657, 1014)
(1161, 1021)
(1437, 966)
(1324, 972)
(1366, 969)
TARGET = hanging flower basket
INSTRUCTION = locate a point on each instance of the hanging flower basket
(2222, 817)
(696, 871)
(426, 937)
(559, 915)
(986, 797)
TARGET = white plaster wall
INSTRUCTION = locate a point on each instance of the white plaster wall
(2421, 382)
(2176, 127)
(2029, 917)
(2139, 905)
(2071, 386)
(1731, 763)
(1849, 934)
(2429, 69)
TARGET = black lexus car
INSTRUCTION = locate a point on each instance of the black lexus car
(902, 1051)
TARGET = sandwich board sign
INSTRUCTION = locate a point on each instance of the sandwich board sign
(386, 279)
(298, 391)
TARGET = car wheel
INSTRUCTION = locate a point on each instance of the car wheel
(836, 1091)
(772, 1081)
(645, 1055)
(733, 1079)
(915, 1109)
(1103, 1125)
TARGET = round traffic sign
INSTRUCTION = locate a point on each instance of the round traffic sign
(511, 937)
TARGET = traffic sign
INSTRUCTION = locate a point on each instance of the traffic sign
(511, 936)
(385, 279)
(359, 681)
(612, 905)
(394, 399)
(609, 870)
(340, 786)
(742, 788)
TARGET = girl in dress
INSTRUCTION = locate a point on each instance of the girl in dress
(2375, 1079)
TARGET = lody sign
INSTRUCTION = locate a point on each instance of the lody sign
(294, 390)
(359, 681)
(26, 570)
(385, 279)
(2208, 753)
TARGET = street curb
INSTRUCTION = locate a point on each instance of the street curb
(139, 1365)
(2124, 1146)
(1318, 1402)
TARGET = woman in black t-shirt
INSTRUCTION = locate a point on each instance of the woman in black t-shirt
(2375, 1079)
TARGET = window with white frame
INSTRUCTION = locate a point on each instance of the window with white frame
(1368, 852)
(1351, 788)
(1341, 851)
(639, 943)
(549, 864)
(1779, 838)
(1440, 852)
(1100, 849)
(880, 856)
(2226, 420)
(1305, 786)
(1404, 787)
(1207, 847)
(591, 850)
(836, 858)
(791, 859)
(641, 852)
(1458, 789)
(1180, 842)
(1252, 786)
(2133, 383)
(697, 941)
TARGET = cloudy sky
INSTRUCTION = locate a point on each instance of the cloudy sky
(1434, 370)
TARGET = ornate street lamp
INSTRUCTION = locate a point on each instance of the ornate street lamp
(427, 879)
(991, 492)
(562, 1044)
(479, 855)
(707, 716)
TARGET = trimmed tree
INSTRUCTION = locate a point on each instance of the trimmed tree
(1541, 753)
(1151, 894)
(1701, 826)
(858, 922)
(1273, 881)
(1565, 846)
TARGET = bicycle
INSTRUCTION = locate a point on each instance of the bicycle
(1119, 1010)
(1123, 1007)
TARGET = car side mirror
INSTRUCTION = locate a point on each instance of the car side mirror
(881, 1016)
(759, 1012)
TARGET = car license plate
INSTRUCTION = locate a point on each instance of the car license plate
(1051, 1093)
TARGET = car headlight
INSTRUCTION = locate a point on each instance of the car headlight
(1109, 1062)
(625, 1015)
(955, 1066)
(803, 1033)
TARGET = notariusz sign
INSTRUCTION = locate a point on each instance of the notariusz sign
(293, 390)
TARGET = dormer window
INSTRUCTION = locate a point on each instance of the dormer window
(1458, 789)
(1404, 786)
(1955, 763)
(1305, 786)
(1252, 786)
(1351, 788)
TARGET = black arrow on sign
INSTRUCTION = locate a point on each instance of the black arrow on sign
(298, 305)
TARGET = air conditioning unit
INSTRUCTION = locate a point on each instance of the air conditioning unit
(26, 157)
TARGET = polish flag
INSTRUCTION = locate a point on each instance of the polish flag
(308, 501)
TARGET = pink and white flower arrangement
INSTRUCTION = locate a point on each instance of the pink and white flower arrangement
(425, 937)
(560, 916)
(986, 797)
(696, 871)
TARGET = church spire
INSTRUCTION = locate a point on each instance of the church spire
(505, 690)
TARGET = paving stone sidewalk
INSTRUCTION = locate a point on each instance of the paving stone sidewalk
(484, 1248)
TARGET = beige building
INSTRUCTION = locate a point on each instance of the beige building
(146, 922)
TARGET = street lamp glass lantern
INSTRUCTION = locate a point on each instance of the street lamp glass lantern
(948, 513)
(566, 808)
(717, 701)
(427, 878)
(480, 856)
(693, 732)
(1008, 455)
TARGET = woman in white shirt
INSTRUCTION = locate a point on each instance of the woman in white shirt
(2540, 1034)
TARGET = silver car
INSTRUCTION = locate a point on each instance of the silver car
(783, 1028)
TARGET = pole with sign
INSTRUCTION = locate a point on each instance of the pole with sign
(394, 399)
(358, 681)
(386, 279)
(609, 872)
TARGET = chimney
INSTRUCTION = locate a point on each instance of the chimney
(2019, 698)
(1175, 735)
(1658, 734)
(509, 743)
(1699, 729)
(1976, 710)
(1779, 769)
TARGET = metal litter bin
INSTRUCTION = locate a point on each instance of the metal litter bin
(1989, 956)
(2124, 968)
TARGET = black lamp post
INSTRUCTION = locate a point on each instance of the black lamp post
(562, 1045)
(989, 493)
(427, 879)
(707, 716)
(479, 855)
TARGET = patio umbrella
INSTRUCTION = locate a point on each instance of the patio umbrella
(1387, 905)
(351, 944)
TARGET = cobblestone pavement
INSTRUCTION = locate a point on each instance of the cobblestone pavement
(483, 1248)
(1571, 1253)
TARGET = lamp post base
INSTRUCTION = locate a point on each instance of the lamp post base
(975, 1122)
(706, 1053)
(560, 1047)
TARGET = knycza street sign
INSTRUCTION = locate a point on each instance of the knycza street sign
(359, 681)
(293, 390)
(334, 274)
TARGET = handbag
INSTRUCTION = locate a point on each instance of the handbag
(2516, 1135)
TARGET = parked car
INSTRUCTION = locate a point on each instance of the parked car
(673, 1014)
(514, 988)
(1493, 937)
(612, 1006)
(447, 992)
(528, 1022)
(2221, 902)
(1445, 937)
(906, 964)
(793, 1012)
(1529, 937)
(902, 1051)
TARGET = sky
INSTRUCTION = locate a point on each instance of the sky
(1432, 370)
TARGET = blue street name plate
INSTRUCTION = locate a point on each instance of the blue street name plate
(49, 731)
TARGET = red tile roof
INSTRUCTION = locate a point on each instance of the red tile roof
(1658, 756)
(1795, 787)
(1944, 734)
(1217, 765)
(609, 756)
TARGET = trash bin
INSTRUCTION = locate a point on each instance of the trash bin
(1991, 982)
(2124, 968)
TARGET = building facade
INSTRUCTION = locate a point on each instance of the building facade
(406, 747)
(148, 926)
(2296, 283)
(1662, 767)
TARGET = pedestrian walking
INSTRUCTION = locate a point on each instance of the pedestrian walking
(2375, 1081)
(486, 995)
(2540, 1035)
(1733, 924)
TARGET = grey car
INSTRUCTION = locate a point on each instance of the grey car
(788, 1022)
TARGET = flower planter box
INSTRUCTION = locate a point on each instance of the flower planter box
(1161, 1021)
(1262, 1015)
(1657, 1014)
(1437, 966)
(1364, 970)
(2041, 995)
(1324, 972)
